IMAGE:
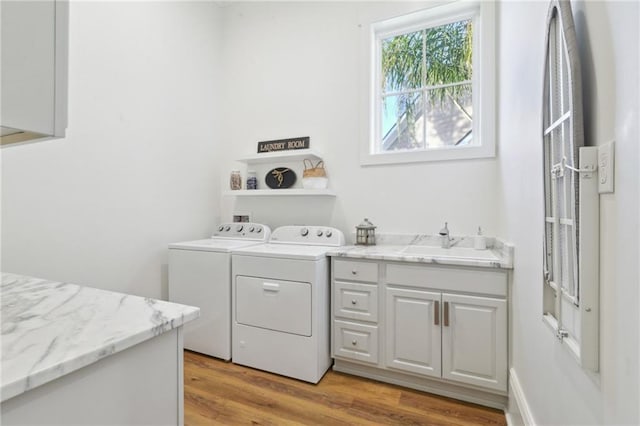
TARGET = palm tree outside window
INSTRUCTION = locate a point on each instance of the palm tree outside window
(427, 89)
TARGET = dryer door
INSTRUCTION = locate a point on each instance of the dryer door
(283, 306)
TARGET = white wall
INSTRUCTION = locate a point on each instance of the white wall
(138, 168)
(297, 69)
(556, 390)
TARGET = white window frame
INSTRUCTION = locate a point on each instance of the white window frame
(483, 81)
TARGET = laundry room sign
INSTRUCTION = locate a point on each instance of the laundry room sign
(284, 144)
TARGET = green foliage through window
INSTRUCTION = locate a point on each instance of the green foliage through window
(428, 73)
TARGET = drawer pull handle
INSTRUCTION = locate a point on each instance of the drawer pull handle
(271, 287)
(436, 313)
(446, 314)
(354, 272)
(354, 342)
(354, 302)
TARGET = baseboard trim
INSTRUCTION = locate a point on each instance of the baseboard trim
(438, 387)
(521, 401)
(510, 421)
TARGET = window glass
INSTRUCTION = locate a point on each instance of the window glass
(426, 94)
(432, 85)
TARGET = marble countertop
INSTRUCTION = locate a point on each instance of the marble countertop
(50, 329)
(407, 248)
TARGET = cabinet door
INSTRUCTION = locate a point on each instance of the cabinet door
(34, 57)
(474, 340)
(413, 331)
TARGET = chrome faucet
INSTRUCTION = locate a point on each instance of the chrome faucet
(446, 238)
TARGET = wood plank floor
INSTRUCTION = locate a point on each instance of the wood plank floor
(218, 392)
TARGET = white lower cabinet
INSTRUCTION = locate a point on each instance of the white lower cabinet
(465, 340)
(474, 340)
(447, 325)
(412, 332)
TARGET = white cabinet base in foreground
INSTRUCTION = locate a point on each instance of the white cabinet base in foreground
(140, 385)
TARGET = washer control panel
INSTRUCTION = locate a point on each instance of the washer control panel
(243, 230)
(311, 235)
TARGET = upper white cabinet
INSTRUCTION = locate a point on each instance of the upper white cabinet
(34, 42)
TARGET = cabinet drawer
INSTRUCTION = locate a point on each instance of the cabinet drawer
(355, 301)
(355, 341)
(491, 282)
(355, 270)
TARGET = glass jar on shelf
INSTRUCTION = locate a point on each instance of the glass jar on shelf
(235, 181)
(252, 180)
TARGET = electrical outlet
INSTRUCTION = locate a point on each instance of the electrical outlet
(606, 167)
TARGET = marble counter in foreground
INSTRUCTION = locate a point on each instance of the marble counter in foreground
(392, 248)
(50, 329)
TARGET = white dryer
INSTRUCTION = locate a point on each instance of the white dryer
(280, 298)
(200, 275)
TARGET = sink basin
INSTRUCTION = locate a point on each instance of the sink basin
(457, 252)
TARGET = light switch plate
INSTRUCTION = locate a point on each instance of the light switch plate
(606, 170)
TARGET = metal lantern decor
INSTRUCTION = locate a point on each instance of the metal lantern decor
(366, 233)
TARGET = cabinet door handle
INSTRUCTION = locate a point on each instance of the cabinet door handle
(354, 272)
(436, 313)
(354, 302)
(446, 314)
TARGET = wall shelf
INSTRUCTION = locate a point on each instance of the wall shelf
(279, 192)
(275, 158)
(271, 157)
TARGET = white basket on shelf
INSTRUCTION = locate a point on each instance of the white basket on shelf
(314, 176)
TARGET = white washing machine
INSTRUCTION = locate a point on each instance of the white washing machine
(200, 275)
(281, 302)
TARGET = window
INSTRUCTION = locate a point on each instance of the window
(432, 85)
(570, 198)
